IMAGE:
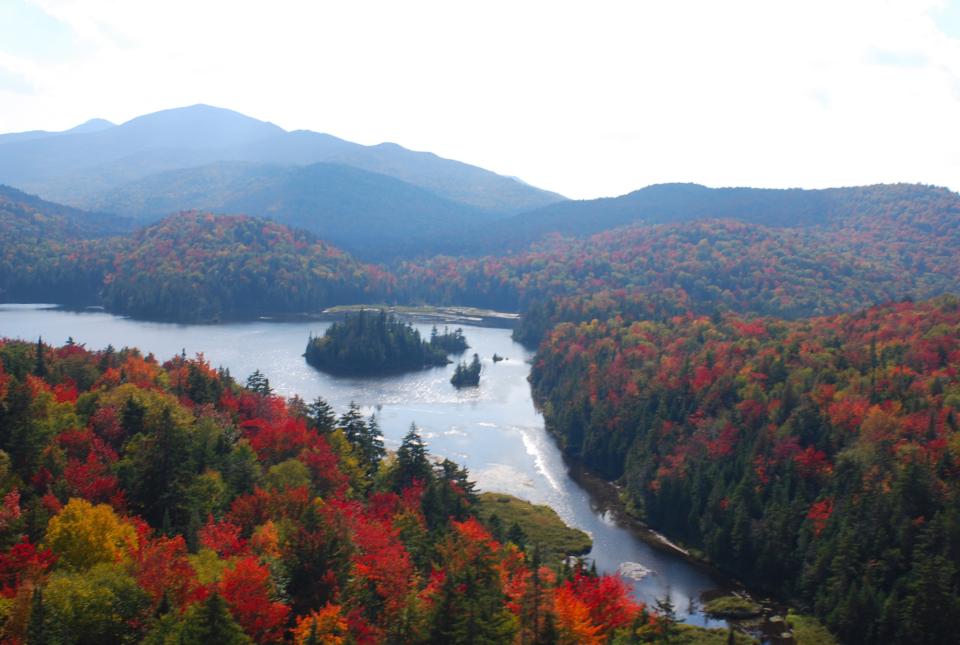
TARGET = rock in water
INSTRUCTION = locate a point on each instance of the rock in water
(633, 570)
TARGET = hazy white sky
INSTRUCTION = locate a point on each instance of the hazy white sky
(586, 98)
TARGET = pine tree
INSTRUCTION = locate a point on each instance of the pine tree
(667, 616)
(259, 383)
(132, 417)
(321, 416)
(364, 436)
(40, 366)
(211, 622)
(412, 461)
(37, 631)
(517, 536)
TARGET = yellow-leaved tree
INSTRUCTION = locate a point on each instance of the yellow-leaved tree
(81, 535)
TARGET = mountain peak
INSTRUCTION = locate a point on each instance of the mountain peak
(93, 125)
(197, 126)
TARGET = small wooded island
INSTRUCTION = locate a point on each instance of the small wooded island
(467, 375)
(377, 343)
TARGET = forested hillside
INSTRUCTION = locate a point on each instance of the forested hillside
(164, 503)
(50, 252)
(676, 203)
(196, 266)
(886, 247)
(188, 267)
(817, 458)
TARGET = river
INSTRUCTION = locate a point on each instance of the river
(494, 430)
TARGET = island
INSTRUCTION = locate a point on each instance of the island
(452, 342)
(467, 375)
(370, 344)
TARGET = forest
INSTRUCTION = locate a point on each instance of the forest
(189, 267)
(167, 503)
(817, 459)
(860, 247)
(726, 355)
(890, 242)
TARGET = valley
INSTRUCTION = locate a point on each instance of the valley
(762, 380)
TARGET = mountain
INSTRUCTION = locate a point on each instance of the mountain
(26, 214)
(365, 213)
(674, 203)
(53, 253)
(93, 125)
(78, 166)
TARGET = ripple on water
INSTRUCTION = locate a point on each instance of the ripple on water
(503, 478)
(535, 450)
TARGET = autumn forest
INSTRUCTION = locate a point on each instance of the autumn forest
(771, 378)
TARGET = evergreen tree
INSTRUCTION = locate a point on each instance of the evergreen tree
(156, 470)
(210, 622)
(321, 416)
(667, 617)
(517, 536)
(132, 417)
(412, 461)
(37, 630)
(259, 383)
(372, 446)
(40, 365)
(364, 436)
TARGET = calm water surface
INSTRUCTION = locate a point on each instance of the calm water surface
(493, 430)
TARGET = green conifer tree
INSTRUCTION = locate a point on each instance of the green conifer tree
(210, 622)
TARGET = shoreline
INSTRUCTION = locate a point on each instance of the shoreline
(607, 496)
(425, 314)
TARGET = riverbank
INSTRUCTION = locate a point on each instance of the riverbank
(425, 314)
(772, 621)
(539, 525)
(606, 498)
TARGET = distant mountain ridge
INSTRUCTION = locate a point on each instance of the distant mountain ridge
(93, 125)
(79, 165)
(368, 214)
(686, 202)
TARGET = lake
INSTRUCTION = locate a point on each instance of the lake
(494, 430)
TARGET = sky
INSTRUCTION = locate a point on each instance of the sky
(588, 99)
